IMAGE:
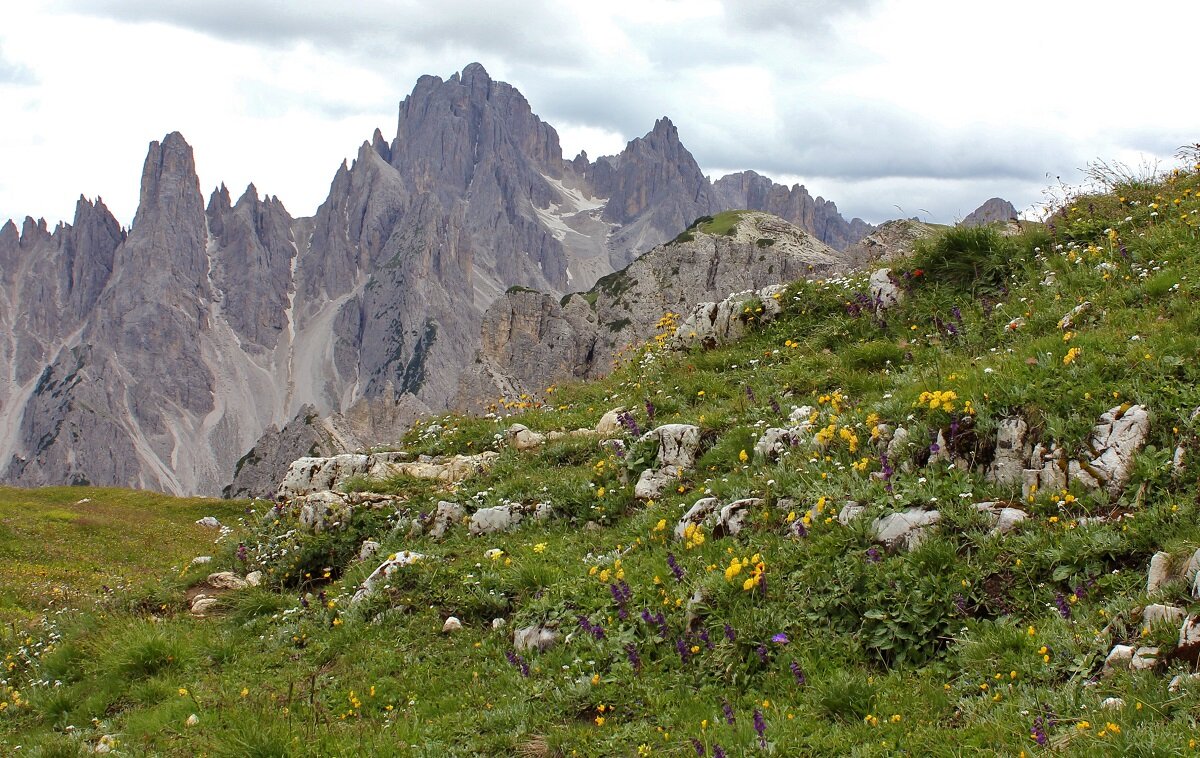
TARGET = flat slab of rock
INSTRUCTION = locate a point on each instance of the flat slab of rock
(653, 483)
(1158, 613)
(1004, 519)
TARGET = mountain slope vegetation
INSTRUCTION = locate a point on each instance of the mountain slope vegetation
(785, 622)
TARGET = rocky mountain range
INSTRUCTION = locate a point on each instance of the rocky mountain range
(157, 356)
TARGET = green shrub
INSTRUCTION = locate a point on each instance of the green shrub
(972, 258)
(871, 356)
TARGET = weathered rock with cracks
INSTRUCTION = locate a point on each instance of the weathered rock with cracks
(1115, 441)
(508, 516)
(905, 529)
(394, 563)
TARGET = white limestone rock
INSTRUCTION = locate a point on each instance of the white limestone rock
(702, 510)
(210, 522)
(447, 515)
(508, 516)
(521, 437)
(1160, 572)
(1159, 613)
(452, 625)
(610, 424)
(1012, 450)
(1118, 659)
(367, 549)
(535, 637)
(884, 292)
(393, 564)
(226, 580)
(1116, 439)
(735, 516)
(319, 511)
(905, 529)
(1144, 659)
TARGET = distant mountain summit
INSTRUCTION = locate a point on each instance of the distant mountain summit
(995, 210)
(157, 356)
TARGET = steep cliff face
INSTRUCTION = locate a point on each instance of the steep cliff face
(530, 340)
(158, 356)
(818, 216)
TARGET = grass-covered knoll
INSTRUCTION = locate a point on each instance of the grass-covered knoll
(66, 546)
(801, 636)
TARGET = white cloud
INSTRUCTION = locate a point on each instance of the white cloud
(934, 104)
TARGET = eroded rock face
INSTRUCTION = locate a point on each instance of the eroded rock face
(712, 324)
(678, 445)
(156, 357)
(1116, 439)
(818, 216)
(1012, 451)
(531, 341)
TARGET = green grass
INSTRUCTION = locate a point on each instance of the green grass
(957, 647)
(61, 546)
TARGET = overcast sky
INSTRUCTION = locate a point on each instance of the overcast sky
(888, 108)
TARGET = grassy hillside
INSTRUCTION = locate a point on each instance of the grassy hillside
(801, 635)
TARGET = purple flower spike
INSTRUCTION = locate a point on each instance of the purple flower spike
(760, 727)
(730, 634)
(780, 638)
(727, 709)
(699, 747)
(801, 680)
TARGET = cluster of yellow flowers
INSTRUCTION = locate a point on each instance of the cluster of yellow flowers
(943, 399)
(736, 565)
(1071, 355)
(693, 536)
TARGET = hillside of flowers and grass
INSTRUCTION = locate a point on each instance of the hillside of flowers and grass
(788, 625)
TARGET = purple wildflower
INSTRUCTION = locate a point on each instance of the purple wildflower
(780, 638)
(727, 709)
(243, 555)
(760, 727)
(1061, 603)
(704, 638)
(801, 680)
(873, 555)
(750, 394)
(630, 423)
(635, 660)
(718, 752)
(518, 662)
(676, 569)
(762, 653)
(699, 746)
(730, 634)
(960, 603)
(775, 406)
(681, 647)
(1038, 732)
(649, 412)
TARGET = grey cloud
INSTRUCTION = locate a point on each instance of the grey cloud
(512, 28)
(801, 18)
